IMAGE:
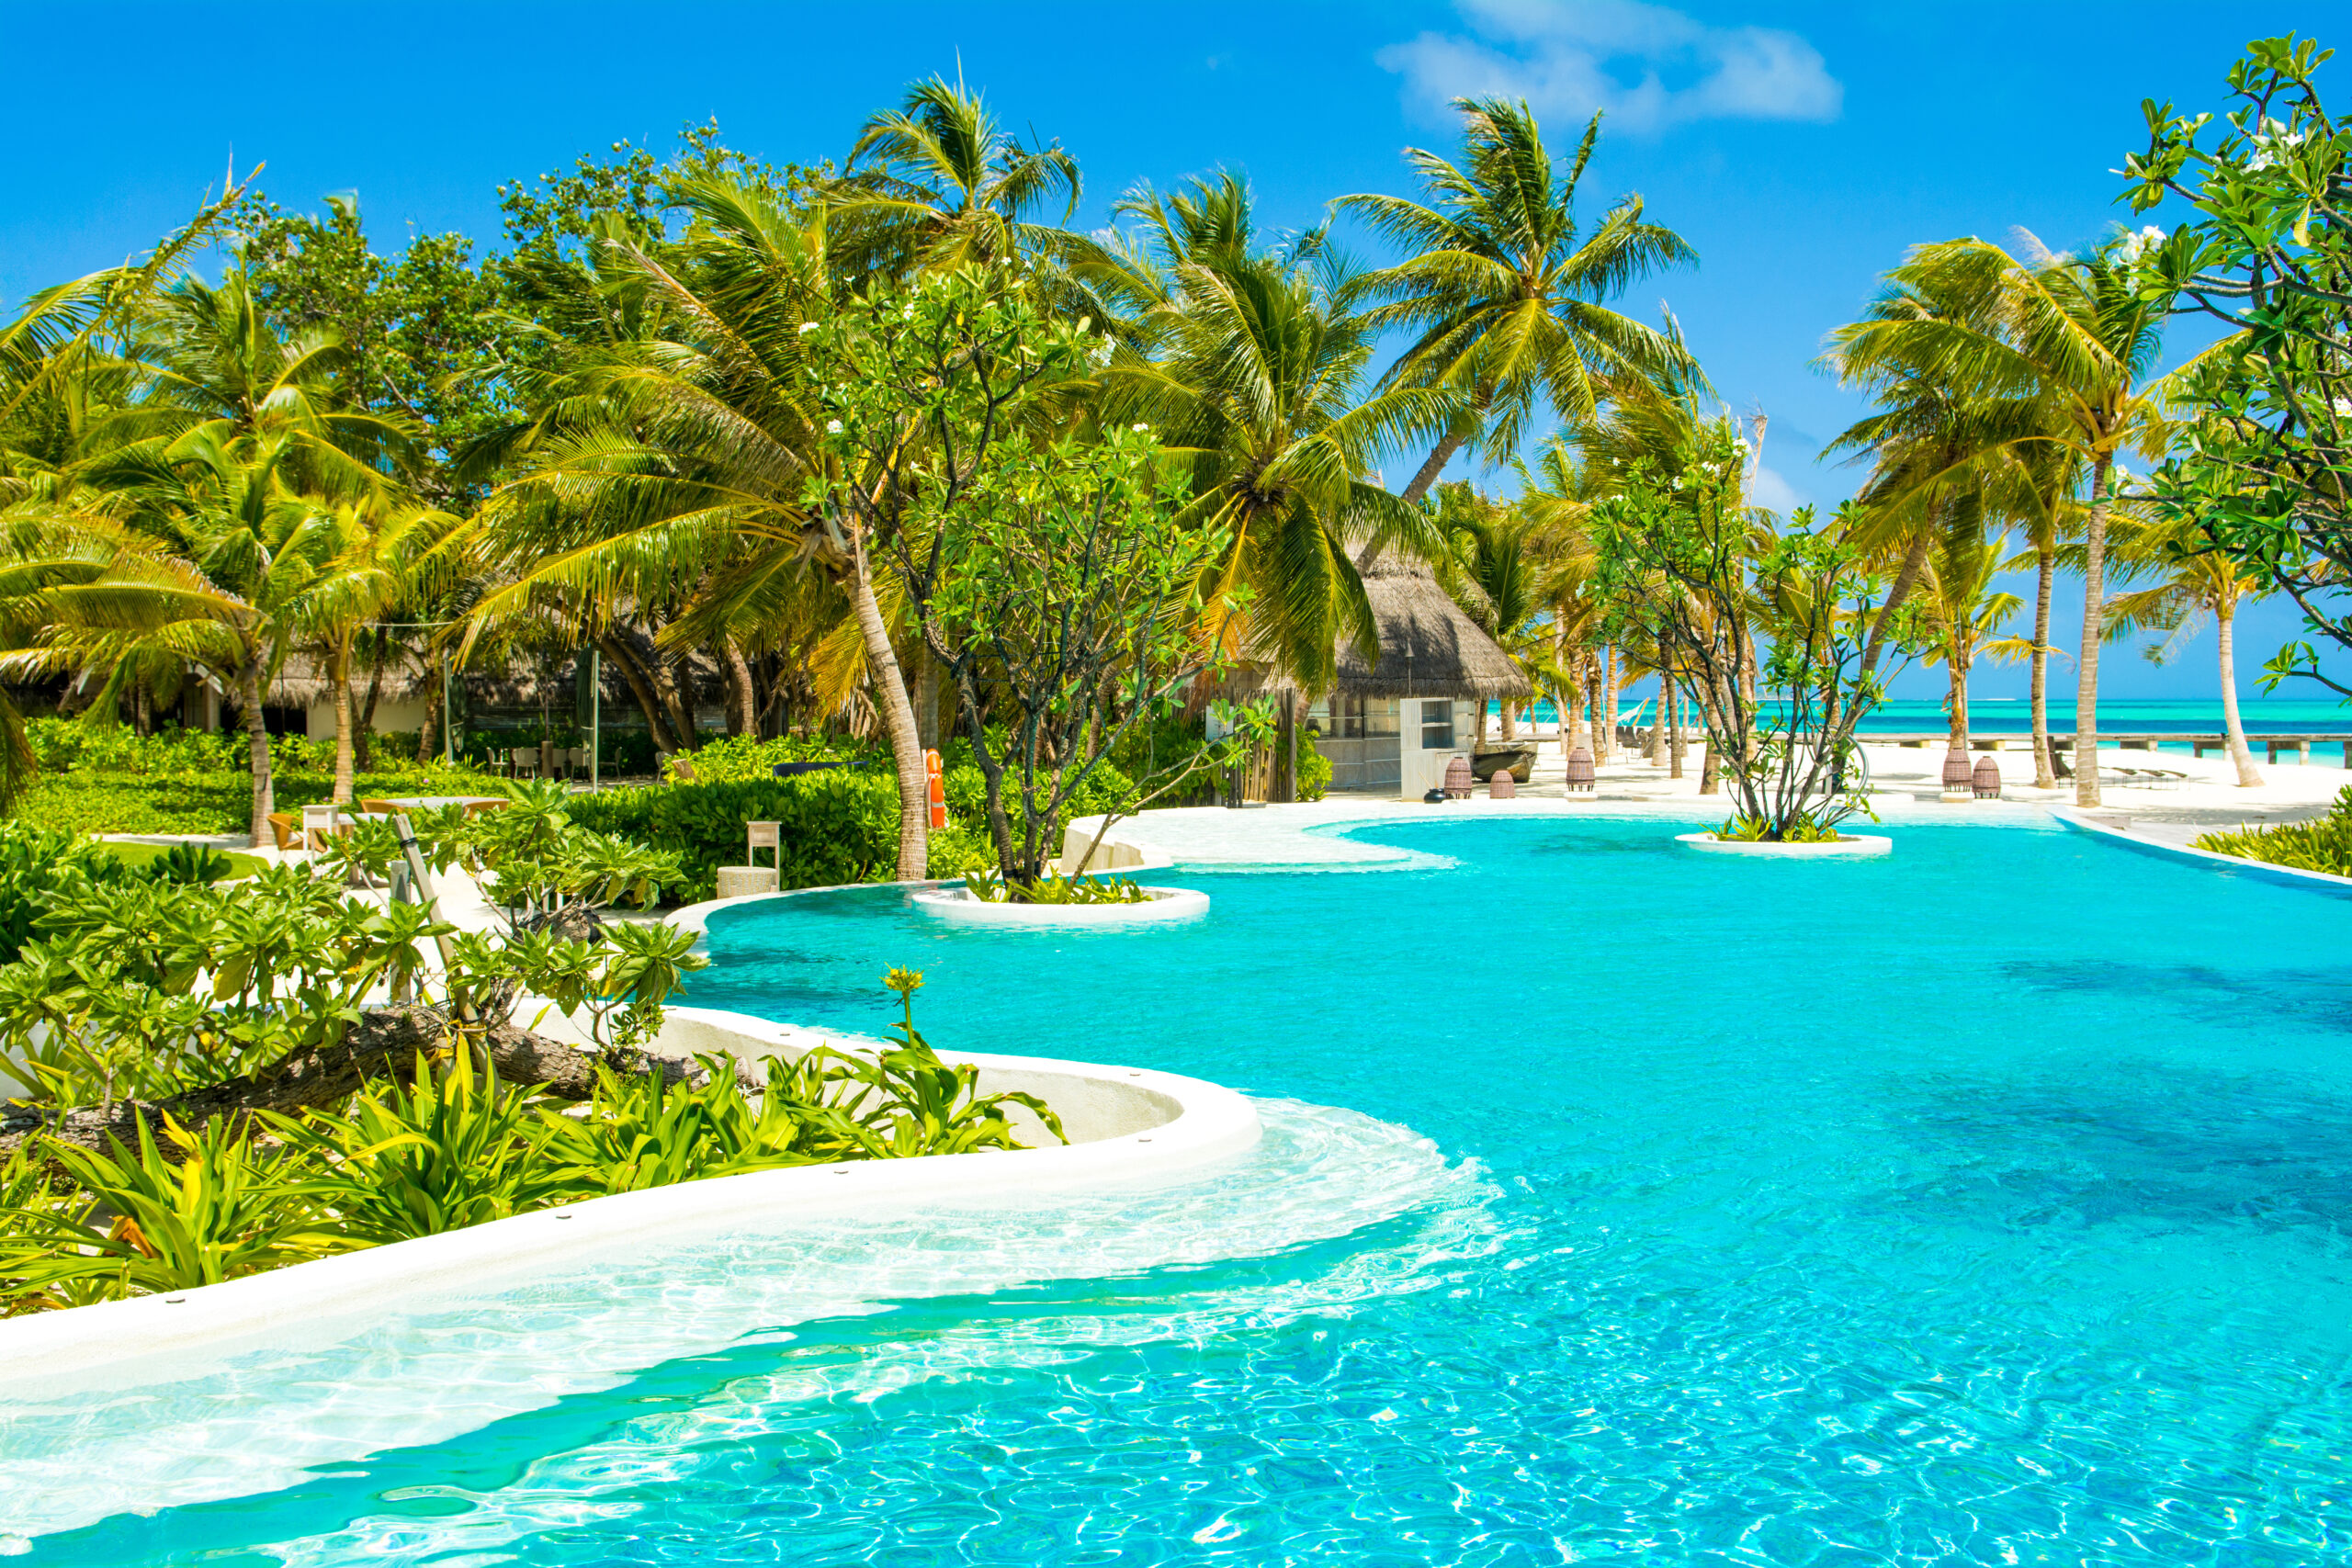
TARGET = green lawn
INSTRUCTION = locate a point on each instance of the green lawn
(240, 865)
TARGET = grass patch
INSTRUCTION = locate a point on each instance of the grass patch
(138, 855)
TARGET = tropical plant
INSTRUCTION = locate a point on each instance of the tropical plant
(2197, 583)
(990, 888)
(447, 1149)
(938, 184)
(1251, 365)
(2323, 844)
(1506, 293)
(220, 1209)
(2265, 252)
(2067, 342)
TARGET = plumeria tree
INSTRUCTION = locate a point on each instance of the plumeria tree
(1690, 569)
(1071, 612)
(2266, 248)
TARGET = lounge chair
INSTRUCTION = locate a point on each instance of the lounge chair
(287, 829)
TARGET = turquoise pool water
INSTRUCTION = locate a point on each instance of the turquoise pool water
(1986, 1204)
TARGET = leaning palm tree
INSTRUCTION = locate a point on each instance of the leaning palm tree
(1507, 295)
(2195, 582)
(668, 456)
(2075, 335)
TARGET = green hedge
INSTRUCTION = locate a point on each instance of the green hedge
(836, 826)
(90, 801)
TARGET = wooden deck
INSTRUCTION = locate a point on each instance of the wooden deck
(2129, 741)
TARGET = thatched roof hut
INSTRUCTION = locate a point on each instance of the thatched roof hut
(1429, 647)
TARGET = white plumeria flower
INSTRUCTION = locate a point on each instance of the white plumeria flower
(2137, 245)
(807, 326)
(832, 428)
(1138, 427)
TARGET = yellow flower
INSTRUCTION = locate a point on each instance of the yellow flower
(906, 982)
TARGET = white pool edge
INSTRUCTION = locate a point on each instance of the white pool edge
(2261, 870)
(148, 1339)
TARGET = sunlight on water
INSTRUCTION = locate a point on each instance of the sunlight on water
(1986, 1204)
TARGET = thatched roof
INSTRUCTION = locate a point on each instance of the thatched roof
(1429, 647)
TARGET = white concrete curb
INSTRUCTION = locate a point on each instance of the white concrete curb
(1165, 905)
(1851, 846)
(2260, 870)
(1129, 1126)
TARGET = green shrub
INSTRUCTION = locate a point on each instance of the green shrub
(1314, 769)
(95, 802)
(2325, 844)
(835, 827)
(729, 758)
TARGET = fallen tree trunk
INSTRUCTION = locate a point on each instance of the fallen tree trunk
(383, 1044)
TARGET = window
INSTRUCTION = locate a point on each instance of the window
(1355, 718)
(1437, 727)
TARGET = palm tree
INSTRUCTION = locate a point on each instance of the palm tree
(669, 452)
(1961, 613)
(2075, 335)
(938, 183)
(1256, 382)
(2195, 582)
(1507, 297)
(383, 548)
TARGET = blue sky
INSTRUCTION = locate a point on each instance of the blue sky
(1799, 148)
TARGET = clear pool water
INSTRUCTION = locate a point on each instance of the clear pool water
(1986, 1204)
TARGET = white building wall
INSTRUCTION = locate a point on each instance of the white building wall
(391, 716)
(1430, 732)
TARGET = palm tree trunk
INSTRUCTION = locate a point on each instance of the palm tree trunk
(339, 690)
(898, 717)
(257, 749)
(742, 707)
(1671, 695)
(1605, 723)
(1439, 457)
(1896, 592)
(2094, 628)
(617, 652)
(1956, 704)
(364, 741)
(2045, 773)
(2225, 629)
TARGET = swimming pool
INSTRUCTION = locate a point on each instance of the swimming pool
(1984, 1205)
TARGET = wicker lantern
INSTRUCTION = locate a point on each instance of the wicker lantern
(1581, 770)
(1500, 785)
(1457, 779)
(1986, 780)
(1957, 772)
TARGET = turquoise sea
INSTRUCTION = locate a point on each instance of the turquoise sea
(1987, 1204)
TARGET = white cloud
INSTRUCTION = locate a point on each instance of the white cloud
(1774, 492)
(1649, 66)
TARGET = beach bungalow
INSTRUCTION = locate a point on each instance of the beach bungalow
(1395, 723)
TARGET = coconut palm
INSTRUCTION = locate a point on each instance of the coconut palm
(669, 455)
(1256, 380)
(2075, 335)
(938, 183)
(1960, 614)
(1507, 295)
(2195, 584)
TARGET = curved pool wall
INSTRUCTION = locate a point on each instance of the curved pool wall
(1976, 1205)
(1127, 1127)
